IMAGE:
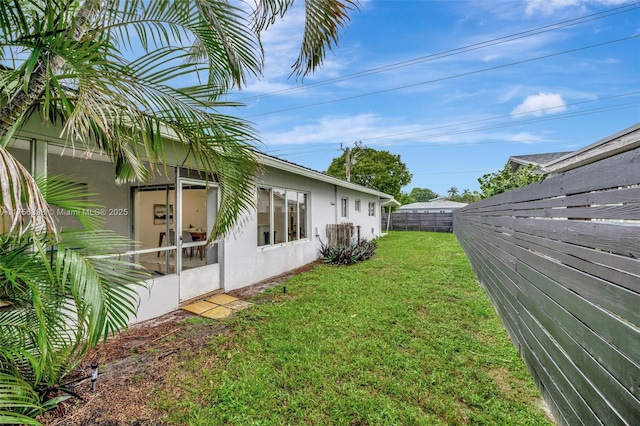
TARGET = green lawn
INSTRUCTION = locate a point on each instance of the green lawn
(406, 338)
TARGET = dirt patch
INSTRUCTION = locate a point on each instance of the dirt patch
(137, 362)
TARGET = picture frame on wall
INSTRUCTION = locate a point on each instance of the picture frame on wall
(160, 214)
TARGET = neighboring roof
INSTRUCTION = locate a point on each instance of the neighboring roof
(290, 167)
(557, 162)
(435, 204)
(622, 141)
(516, 161)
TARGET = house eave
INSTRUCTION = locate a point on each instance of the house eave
(269, 161)
(622, 141)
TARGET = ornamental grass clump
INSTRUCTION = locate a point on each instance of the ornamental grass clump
(348, 255)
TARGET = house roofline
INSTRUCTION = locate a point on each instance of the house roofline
(58, 146)
(288, 166)
(622, 141)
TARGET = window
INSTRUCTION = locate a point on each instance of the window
(344, 207)
(282, 216)
(292, 215)
(302, 210)
(372, 209)
(279, 218)
(357, 206)
(264, 216)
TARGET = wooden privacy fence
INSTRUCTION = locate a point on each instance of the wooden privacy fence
(434, 222)
(559, 260)
(340, 235)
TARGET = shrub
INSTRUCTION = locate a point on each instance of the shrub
(348, 255)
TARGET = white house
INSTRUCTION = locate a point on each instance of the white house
(436, 205)
(170, 216)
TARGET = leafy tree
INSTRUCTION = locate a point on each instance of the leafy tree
(118, 75)
(405, 198)
(505, 180)
(469, 197)
(423, 194)
(379, 170)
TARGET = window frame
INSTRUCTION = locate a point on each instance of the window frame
(372, 209)
(344, 207)
(291, 197)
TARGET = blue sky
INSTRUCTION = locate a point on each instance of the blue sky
(453, 87)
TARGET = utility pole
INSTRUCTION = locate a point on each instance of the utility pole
(348, 161)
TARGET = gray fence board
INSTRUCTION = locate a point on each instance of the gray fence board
(615, 299)
(620, 270)
(559, 260)
(562, 326)
(433, 222)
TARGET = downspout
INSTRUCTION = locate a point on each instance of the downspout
(335, 203)
(388, 221)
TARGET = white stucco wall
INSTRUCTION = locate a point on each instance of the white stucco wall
(163, 297)
(369, 225)
(244, 263)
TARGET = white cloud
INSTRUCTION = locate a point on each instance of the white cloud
(525, 137)
(334, 129)
(547, 7)
(509, 94)
(490, 58)
(542, 103)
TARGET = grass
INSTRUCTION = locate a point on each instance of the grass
(407, 337)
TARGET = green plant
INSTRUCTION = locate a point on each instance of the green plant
(348, 255)
(117, 77)
(505, 180)
(60, 295)
(377, 169)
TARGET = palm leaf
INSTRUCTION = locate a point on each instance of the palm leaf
(103, 287)
(22, 206)
(323, 21)
(19, 403)
(63, 192)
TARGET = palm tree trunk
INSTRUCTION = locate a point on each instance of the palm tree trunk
(22, 100)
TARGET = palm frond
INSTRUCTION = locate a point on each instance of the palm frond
(22, 206)
(66, 193)
(19, 403)
(324, 19)
(102, 286)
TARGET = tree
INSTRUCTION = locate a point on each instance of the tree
(59, 296)
(423, 194)
(118, 75)
(505, 180)
(379, 170)
(452, 193)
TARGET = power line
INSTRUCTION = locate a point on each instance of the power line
(492, 127)
(426, 129)
(465, 74)
(468, 48)
(533, 120)
(542, 110)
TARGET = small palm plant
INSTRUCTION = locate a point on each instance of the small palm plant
(59, 296)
